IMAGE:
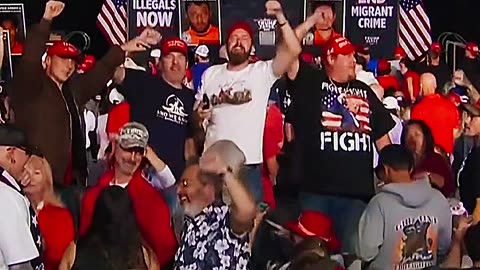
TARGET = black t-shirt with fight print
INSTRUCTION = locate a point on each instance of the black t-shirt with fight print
(336, 126)
(165, 111)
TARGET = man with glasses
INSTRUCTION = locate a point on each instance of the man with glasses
(20, 239)
(130, 148)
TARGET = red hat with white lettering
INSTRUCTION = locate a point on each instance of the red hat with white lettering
(313, 223)
(174, 44)
(63, 49)
(338, 45)
(472, 47)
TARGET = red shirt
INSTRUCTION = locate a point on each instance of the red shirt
(56, 226)
(272, 145)
(318, 40)
(416, 85)
(151, 211)
(388, 81)
(441, 116)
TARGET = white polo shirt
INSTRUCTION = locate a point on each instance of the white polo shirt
(242, 123)
(16, 242)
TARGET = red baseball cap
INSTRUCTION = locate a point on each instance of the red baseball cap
(383, 65)
(63, 49)
(399, 51)
(338, 45)
(174, 44)
(312, 223)
(436, 47)
(472, 47)
(87, 64)
(240, 25)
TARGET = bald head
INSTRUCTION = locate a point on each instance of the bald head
(226, 151)
(428, 84)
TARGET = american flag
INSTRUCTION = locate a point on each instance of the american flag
(337, 114)
(414, 34)
(112, 20)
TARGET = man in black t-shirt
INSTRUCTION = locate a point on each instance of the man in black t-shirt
(337, 119)
(163, 104)
(469, 173)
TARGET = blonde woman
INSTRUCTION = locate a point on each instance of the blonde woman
(54, 220)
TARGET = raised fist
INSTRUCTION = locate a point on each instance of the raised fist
(273, 7)
(53, 9)
(151, 36)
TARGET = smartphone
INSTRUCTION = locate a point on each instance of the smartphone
(206, 102)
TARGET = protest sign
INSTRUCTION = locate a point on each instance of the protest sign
(200, 22)
(12, 18)
(373, 23)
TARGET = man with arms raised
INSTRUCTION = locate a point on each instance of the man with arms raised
(45, 96)
(337, 119)
(239, 90)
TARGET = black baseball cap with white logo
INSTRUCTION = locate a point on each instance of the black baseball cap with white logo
(133, 135)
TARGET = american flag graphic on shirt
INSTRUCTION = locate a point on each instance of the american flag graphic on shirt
(345, 112)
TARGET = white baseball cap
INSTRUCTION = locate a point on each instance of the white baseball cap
(202, 51)
(391, 103)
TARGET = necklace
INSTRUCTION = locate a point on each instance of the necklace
(336, 87)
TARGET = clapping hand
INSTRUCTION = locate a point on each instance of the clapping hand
(53, 9)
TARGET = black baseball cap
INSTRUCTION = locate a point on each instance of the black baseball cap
(11, 135)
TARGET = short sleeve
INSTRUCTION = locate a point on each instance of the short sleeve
(133, 80)
(16, 242)
(381, 120)
(307, 76)
(270, 75)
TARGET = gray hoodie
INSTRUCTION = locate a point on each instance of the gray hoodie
(405, 226)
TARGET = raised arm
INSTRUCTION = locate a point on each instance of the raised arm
(92, 82)
(30, 65)
(300, 32)
(289, 48)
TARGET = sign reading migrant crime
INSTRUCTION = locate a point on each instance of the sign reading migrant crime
(162, 15)
(373, 23)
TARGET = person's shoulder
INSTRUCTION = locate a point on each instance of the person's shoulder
(215, 69)
(11, 200)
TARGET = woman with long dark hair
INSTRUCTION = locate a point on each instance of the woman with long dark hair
(113, 240)
(418, 138)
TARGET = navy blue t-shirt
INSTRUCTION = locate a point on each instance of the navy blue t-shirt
(165, 111)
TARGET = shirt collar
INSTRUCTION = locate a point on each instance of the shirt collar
(12, 180)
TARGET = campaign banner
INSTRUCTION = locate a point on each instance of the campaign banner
(12, 19)
(200, 22)
(373, 23)
(162, 15)
(6, 66)
(265, 28)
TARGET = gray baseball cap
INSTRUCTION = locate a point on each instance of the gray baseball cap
(132, 135)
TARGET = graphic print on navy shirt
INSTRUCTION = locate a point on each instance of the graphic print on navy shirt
(165, 111)
(345, 119)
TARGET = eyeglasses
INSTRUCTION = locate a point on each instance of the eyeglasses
(136, 150)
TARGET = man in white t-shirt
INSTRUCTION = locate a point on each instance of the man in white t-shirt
(20, 239)
(238, 92)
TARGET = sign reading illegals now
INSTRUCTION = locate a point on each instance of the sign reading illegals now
(162, 15)
(373, 23)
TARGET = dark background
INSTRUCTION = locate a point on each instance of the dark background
(453, 16)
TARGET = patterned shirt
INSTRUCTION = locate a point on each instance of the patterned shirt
(208, 243)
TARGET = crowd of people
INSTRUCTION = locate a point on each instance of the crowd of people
(331, 161)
